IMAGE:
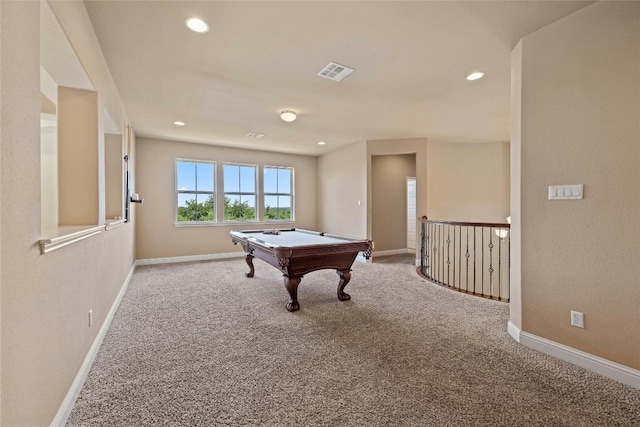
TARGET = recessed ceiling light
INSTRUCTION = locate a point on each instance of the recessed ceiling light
(321, 143)
(475, 76)
(179, 123)
(288, 115)
(197, 25)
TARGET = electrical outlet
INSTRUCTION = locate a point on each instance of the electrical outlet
(90, 317)
(577, 319)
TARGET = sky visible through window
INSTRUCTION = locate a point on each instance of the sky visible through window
(201, 178)
(194, 176)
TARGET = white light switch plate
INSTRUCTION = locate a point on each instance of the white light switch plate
(565, 192)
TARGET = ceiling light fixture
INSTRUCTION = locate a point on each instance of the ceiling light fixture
(288, 115)
(197, 25)
(475, 76)
(321, 143)
(179, 123)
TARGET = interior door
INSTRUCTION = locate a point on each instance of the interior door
(411, 213)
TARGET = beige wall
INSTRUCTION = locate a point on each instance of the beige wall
(45, 301)
(415, 146)
(468, 182)
(342, 191)
(580, 104)
(77, 157)
(389, 199)
(157, 235)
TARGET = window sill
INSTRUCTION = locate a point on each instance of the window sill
(230, 223)
(66, 235)
(113, 223)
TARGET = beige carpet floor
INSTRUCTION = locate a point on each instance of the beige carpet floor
(199, 344)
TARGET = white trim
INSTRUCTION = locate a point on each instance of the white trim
(604, 367)
(514, 331)
(74, 391)
(110, 225)
(391, 252)
(69, 235)
(189, 258)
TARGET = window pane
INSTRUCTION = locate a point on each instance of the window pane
(284, 205)
(205, 207)
(271, 201)
(248, 179)
(239, 208)
(205, 176)
(193, 179)
(250, 203)
(231, 178)
(184, 197)
(186, 179)
(284, 202)
(271, 207)
(270, 180)
(186, 204)
(284, 180)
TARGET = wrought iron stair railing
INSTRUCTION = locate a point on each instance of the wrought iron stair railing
(471, 257)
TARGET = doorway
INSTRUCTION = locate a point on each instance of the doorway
(411, 213)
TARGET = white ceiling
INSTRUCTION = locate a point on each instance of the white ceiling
(258, 58)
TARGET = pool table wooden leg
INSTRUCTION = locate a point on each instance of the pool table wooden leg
(249, 260)
(291, 283)
(345, 276)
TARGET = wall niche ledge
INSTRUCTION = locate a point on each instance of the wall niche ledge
(63, 236)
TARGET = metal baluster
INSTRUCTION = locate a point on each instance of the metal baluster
(467, 256)
(442, 254)
(491, 262)
(499, 263)
(448, 259)
(435, 252)
(454, 257)
(429, 256)
(460, 261)
(422, 245)
(474, 260)
(482, 264)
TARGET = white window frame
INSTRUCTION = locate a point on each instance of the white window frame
(241, 193)
(291, 195)
(195, 192)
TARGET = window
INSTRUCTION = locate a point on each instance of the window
(195, 191)
(278, 194)
(240, 192)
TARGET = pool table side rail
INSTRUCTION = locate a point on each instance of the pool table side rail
(250, 236)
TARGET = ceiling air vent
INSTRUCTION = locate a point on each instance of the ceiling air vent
(335, 72)
(255, 135)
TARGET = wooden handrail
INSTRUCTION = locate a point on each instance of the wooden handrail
(467, 224)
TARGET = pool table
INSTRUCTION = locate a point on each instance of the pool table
(296, 252)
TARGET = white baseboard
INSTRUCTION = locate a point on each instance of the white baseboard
(391, 252)
(74, 391)
(604, 367)
(514, 331)
(189, 258)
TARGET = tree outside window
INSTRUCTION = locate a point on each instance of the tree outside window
(240, 192)
(278, 194)
(195, 189)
